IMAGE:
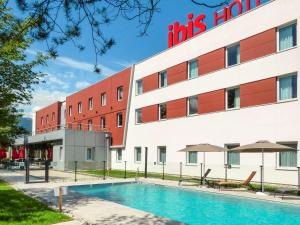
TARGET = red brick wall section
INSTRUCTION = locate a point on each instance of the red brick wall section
(258, 92)
(212, 61)
(51, 124)
(213, 101)
(176, 108)
(177, 73)
(150, 82)
(113, 106)
(258, 45)
(150, 113)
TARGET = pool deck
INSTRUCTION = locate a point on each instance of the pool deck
(90, 210)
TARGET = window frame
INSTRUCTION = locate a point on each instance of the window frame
(135, 154)
(136, 87)
(159, 78)
(103, 99)
(226, 98)
(226, 54)
(102, 118)
(158, 154)
(90, 103)
(92, 152)
(119, 150)
(120, 93)
(294, 22)
(70, 110)
(188, 106)
(159, 110)
(79, 126)
(118, 119)
(79, 107)
(136, 117)
(189, 62)
(53, 116)
(278, 87)
(90, 125)
(227, 153)
(188, 163)
(47, 119)
(278, 167)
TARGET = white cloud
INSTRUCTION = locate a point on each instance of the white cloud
(81, 84)
(52, 79)
(69, 62)
(42, 98)
(124, 63)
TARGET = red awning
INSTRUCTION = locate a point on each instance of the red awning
(15, 154)
(22, 153)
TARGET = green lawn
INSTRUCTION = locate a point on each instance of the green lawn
(131, 174)
(18, 209)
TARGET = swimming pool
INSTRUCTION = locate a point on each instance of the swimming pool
(193, 207)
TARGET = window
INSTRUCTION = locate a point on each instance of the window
(287, 87)
(288, 159)
(162, 153)
(119, 155)
(120, 93)
(60, 153)
(119, 119)
(90, 103)
(79, 127)
(42, 120)
(103, 99)
(233, 55)
(233, 158)
(90, 154)
(163, 79)
(233, 98)
(193, 105)
(192, 157)
(162, 111)
(70, 110)
(287, 37)
(193, 69)
(138, 116)
(79, 107)
(137, 154)
(47, 119)
(103, 122)
(53, 116)
(139, 87)
(90, 125)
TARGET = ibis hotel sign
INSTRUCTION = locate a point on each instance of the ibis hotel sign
(196, 25)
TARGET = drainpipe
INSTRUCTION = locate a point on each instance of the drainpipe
(107, 151)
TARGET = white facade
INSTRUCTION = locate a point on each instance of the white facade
(278, 122)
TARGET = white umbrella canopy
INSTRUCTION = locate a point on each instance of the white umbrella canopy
(262, 147)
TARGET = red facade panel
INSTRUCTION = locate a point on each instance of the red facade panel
(108, 86)
(177, 73)
(212, 61)
(258, 92)
(213, 101)
(150, 113)
(176, 108)
(258, 45)
(150, 82)
(48, 118)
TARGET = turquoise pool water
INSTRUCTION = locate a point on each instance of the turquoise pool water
(192, 207)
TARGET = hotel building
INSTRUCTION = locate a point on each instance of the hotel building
(232, 85)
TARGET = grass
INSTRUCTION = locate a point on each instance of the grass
(17, 208)
(131, 174)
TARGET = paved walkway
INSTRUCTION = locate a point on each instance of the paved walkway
(89, 210)
(85, 210)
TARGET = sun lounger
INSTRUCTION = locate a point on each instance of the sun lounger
(284, 191)
(201, 179)
(245, 183)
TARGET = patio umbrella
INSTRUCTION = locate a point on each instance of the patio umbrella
(205, 148)
(262, 147)
(49, 153)
(15, 154)
(22, 153)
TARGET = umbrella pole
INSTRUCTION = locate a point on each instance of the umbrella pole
(262, 171)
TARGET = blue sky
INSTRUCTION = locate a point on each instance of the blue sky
(73, 70)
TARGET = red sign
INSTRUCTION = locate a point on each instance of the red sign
(179, 33)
